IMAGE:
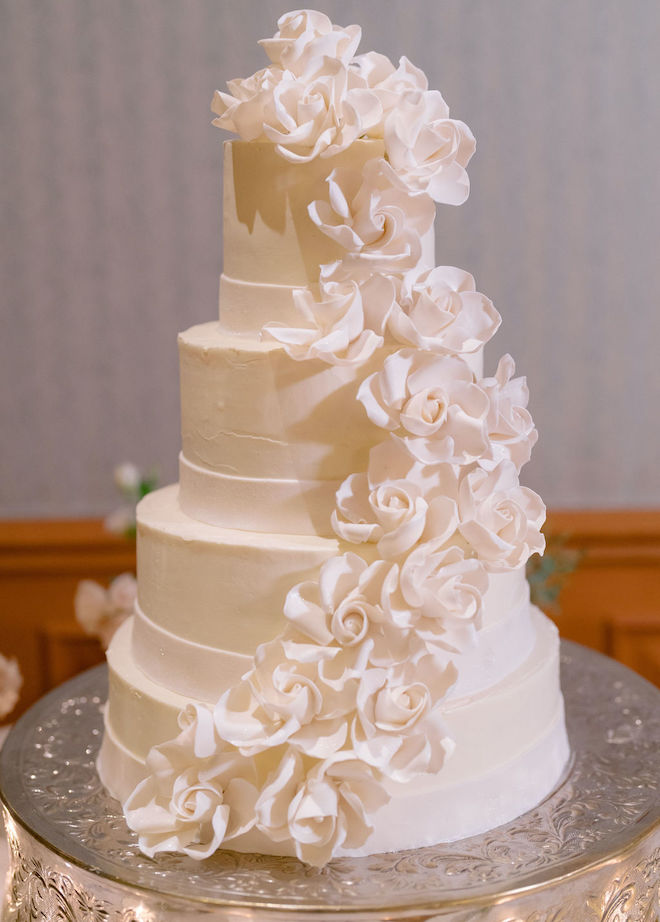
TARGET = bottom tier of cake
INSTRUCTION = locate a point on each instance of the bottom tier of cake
(511, 749)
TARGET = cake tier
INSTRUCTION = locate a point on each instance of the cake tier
(203, 589)
(271, 246)
(203, 671)
(138, 729)
(266, 439)
(510, 748)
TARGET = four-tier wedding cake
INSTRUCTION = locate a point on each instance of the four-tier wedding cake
(333, 650)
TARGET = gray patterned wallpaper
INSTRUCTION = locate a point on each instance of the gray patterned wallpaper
(110, 231)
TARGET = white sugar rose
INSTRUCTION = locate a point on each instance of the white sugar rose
(319, 117)
(339, 327)
(511, 428)
(281, 698)
(242, 110)
(394, 729)
(439, 310)
(342, 608)
(379, 292)
(101, 611)
(397, 501)
(444, 590)
(428, 149)
(500, 519)
(435, 400)
(392, 513)
(320, 810)
(127, 477)
(198, 793)
(305, 37)
(375, 217)
(387, 82)
(311, 605)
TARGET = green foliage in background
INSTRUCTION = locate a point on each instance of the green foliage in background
(548, 575)
(133, 485)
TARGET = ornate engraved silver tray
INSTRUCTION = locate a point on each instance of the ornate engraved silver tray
(590, 851)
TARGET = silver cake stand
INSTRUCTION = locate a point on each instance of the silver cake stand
(590, 851)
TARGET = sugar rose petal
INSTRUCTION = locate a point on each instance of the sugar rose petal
(388, 83)
(320, 809)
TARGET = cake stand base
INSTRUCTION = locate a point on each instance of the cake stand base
(589, 853)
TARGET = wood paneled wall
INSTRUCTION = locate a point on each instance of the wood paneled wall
(41, 563)
(611, 603)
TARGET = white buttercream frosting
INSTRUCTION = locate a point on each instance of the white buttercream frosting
(268, 237)
(196, 793)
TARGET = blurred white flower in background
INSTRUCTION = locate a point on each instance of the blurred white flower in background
(101, 611)
(121, 521)
(10, 685)
(127, 477)
(133, 485)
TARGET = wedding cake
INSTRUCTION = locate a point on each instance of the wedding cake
(333, 650)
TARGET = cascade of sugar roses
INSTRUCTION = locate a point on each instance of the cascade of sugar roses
(348, 699)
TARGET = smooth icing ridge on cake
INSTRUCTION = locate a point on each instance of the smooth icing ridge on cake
(333, 650)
